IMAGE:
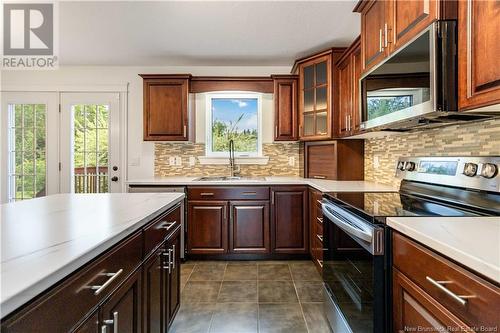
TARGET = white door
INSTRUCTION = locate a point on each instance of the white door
(29, 131)
(90, 143)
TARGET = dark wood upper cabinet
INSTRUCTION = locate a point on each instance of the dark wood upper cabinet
(316, 93)
(123, 308)
(289, 223)
(285, 107)
(207, 227)
(347, 104)
(168, 110)
(249, 227)
(335, 160)
(478, 64)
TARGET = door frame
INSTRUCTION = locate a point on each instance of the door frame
(51, 99)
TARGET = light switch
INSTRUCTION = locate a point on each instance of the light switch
(376, 162)
(171, 160)
(291, 161)
(178, 160)
(135, 161)
(192, 160)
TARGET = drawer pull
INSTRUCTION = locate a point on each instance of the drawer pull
(206, 194)
(169, 254)
(168, 225)
(319, 177)
(249, 193)
(114, 322)
(439, 284)
(320, 263)
(100, 288)
(320, 219)
(319, 203)
(320, 238)
(173, 256)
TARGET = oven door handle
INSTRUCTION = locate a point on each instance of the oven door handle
(363, 232)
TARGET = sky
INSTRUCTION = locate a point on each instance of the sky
(227, 109)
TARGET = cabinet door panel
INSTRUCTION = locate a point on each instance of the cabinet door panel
(479, 69)
(153, 294)
(373, 19)
(409, 18)
(207, 227)
(289, 225)
(285, 108)
(356, 91)
(174, 278)
(345, 95)
(123, 308)
(249, 227)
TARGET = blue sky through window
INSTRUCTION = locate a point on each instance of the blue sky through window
(229, 110)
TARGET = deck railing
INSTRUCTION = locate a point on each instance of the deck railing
(91, 180)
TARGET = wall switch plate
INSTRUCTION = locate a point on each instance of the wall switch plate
(178, 160)
(192, 160)
(291, 161)
(171, 160)
(135, 161)
(376, 162)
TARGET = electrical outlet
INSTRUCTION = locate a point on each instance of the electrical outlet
(376, 162)
(178, 160)
(192, 160)
(171, 160)
(291, 161)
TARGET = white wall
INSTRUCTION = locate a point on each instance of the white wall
(138, 151)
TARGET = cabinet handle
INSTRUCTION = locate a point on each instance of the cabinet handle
(249, 193)
(381, 47)
(276, 131)
(439, 284)
(167, 225)
(173, 256)
(320, 263)
(320, 202)
(319, 177)
(114, 322)
(320, 238)
(169, 255)
(386, 35)
(320, 219)
(185, 130)
(206, 194)
(99, 288)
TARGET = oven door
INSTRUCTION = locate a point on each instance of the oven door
(353, 272)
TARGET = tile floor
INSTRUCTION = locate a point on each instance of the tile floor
(250, 296)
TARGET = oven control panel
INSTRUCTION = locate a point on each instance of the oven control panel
(474, 172)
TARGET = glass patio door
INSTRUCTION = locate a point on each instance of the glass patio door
(90, 143)
(30, 150)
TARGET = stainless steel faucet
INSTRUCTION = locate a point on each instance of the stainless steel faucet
(232, 164)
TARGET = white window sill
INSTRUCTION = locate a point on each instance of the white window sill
(222, 160)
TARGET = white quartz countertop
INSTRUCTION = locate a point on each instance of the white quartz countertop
(474, 242)
(319, 184)
(46, 239)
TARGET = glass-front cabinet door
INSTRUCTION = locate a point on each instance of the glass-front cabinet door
(314, 101)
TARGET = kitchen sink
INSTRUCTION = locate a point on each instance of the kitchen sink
(227, 178)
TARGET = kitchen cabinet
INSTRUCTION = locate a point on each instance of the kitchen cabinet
(316, 228)
(122, 311)
(207, 227)
(429, 291)
(478, 65)
(386, 25)
(347, 103)
(249, 227)
(285, 107)
(168, 110)
(335, 160)
(289, 222)
(316, 92)
(122, 290)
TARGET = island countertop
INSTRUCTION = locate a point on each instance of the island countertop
(473, 242)
(44, 240)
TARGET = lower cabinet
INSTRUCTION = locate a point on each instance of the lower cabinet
(207, 227)
(249, 227)
(289, 226)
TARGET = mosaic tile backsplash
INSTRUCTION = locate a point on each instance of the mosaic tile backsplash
(278, 154)
(478, 138)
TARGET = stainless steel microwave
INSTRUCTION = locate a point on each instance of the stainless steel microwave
(417, 85)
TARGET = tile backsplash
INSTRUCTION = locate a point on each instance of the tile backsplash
(278, 154)
(478, 138)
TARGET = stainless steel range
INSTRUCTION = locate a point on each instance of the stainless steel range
(356, 254)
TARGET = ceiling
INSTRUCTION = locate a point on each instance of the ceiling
(185, 33)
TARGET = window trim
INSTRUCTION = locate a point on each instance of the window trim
(208, 123)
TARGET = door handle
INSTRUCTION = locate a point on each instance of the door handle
(114, 322)
(114, 179)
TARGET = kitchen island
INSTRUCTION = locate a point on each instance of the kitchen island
(72, 252)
